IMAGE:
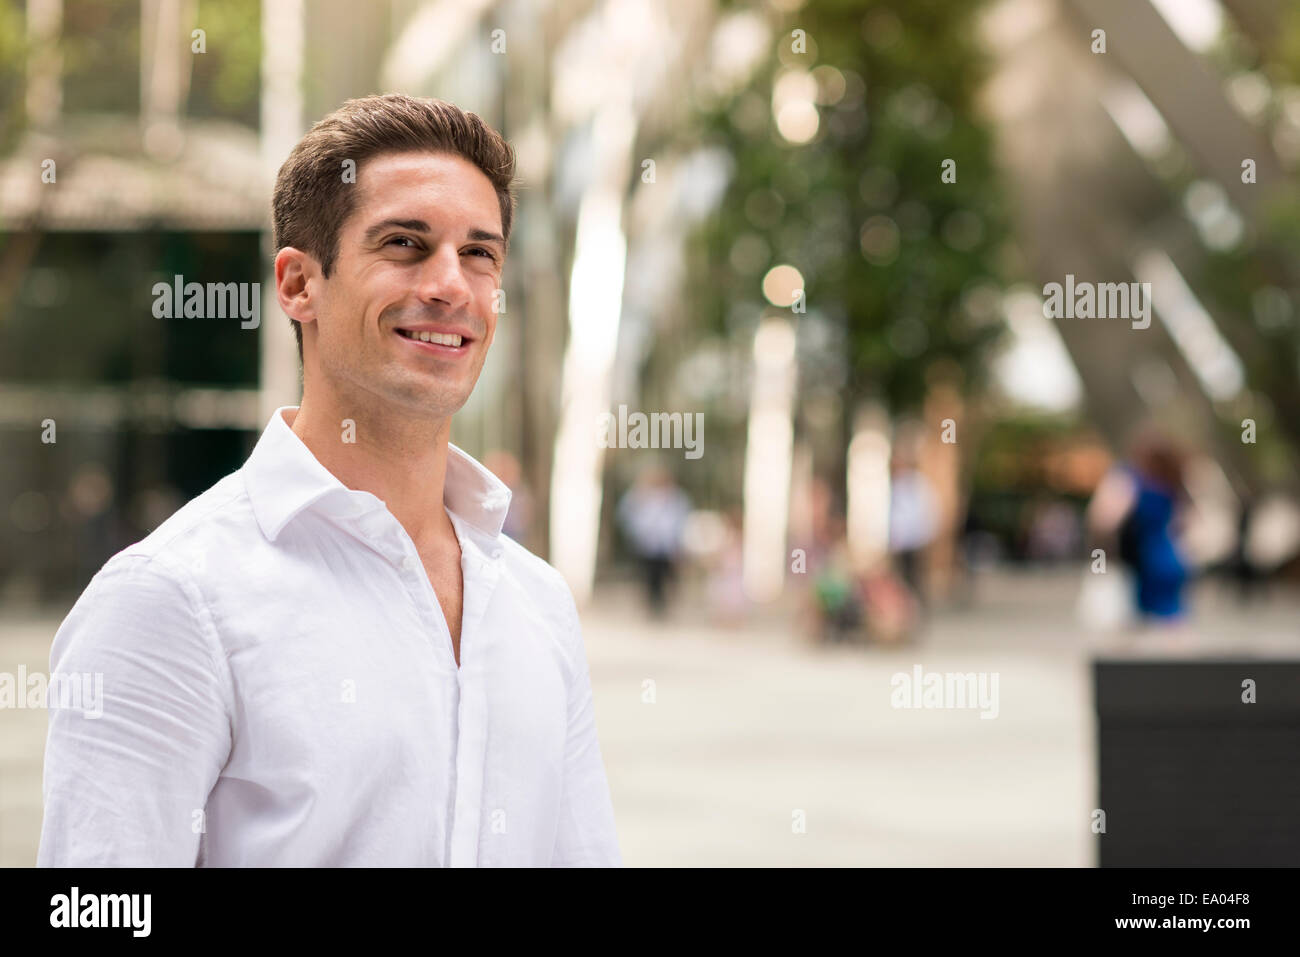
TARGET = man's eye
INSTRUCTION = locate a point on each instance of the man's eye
(404, 239)
(479, 250)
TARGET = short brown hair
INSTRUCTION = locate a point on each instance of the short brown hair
(308, 208)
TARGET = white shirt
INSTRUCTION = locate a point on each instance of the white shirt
(279, 689)
(913, 512)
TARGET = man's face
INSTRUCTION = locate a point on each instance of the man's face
(419, 259)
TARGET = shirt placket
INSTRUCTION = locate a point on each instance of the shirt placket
(386, 535)
(479, 573)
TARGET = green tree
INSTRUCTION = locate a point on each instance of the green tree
(905, 264)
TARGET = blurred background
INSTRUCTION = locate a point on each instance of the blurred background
(816, 232)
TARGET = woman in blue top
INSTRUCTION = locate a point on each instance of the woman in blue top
(1160, 573)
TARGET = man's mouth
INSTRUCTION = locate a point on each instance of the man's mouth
(437, 338)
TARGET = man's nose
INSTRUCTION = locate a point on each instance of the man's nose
(443, 279)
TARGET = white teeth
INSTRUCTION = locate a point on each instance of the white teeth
(438, 338)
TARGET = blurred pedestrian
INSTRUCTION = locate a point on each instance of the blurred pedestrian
(837, 601)
(726, 587)
(652, 514)
(1247, 575)
(1139, 505)
(913, 521)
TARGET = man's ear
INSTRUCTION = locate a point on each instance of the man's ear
(297, 275)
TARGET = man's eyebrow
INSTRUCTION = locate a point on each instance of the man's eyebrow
(483, 236)
(411, 225)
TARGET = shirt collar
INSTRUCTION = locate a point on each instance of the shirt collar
(283, 478)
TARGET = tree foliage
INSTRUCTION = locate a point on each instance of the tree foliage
(904, 266)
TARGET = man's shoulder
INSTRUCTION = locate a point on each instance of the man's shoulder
(548, 593)
(537, 575)
(220, 517)
(152, 586)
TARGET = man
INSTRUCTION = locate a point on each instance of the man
(333, 656)
(653, 513)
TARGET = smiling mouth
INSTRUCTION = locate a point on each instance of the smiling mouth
(436, 338)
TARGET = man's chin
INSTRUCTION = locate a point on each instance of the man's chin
(425, 398)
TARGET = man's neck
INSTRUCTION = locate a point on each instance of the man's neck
(400, 460)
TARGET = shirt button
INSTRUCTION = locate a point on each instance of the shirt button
(408, 564)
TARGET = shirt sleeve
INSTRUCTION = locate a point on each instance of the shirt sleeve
(586, 835)
(127, 787)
